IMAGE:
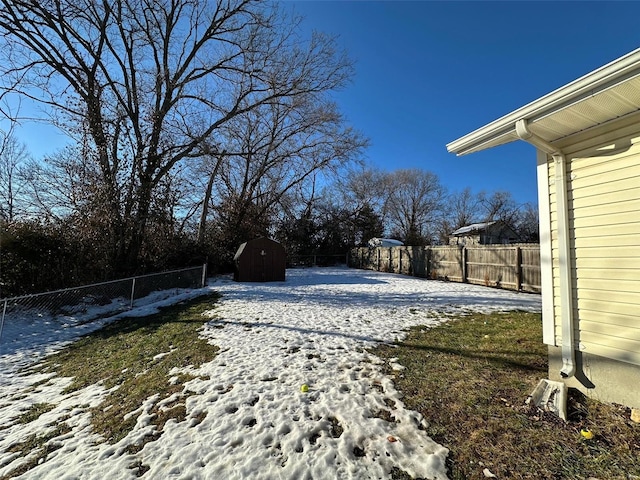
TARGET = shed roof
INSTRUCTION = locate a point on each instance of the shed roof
(259, 240)
(610, 92)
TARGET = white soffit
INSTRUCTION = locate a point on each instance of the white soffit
(600, 108)
(605, 94)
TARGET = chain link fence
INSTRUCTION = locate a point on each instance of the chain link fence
(316, 260)
(87, 303)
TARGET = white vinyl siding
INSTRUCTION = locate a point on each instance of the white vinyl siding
(603, 194)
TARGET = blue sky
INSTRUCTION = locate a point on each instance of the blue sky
(430, 72)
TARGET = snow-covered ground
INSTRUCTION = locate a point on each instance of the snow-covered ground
(311, 330)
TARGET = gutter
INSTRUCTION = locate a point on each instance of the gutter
(564, 250)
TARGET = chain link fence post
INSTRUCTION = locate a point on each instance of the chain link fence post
(4, 311)
(133, 292)
(204, 275)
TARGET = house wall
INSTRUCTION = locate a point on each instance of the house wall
(604, 379)
(603, 192)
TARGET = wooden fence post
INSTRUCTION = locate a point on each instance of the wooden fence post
(464, 265)
(425, 264)
(518, 269)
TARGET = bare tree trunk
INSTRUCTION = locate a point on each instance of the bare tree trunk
(207, 198)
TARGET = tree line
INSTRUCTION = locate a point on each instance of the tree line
(193, 127)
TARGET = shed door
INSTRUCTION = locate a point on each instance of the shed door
(262, 265)
(604, 216)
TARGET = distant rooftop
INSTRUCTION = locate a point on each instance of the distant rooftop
(474, 227)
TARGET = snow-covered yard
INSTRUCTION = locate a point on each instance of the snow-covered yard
(311, 330)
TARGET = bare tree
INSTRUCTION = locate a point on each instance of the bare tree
(460, 209)
(279, 147)
(363, 188)
(211, 167)
(295, 219)
(148, 84)
(464, 208)
(355, 201)
(501, 206)
(13, 158)
(415, 204)
(63, 184)
(528, 225)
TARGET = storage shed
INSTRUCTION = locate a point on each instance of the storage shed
(260, 260)
(587, 136)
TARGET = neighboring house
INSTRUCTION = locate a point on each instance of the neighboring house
(587, 136)
(487, 233)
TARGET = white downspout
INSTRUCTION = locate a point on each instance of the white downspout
(564, 250)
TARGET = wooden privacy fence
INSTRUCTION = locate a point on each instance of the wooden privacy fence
(514, 267)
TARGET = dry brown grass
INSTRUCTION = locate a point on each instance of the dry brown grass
(470, 379)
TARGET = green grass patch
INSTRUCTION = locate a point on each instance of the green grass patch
(34, 412)
(136, 355)
(470, 378)
(36, 448)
